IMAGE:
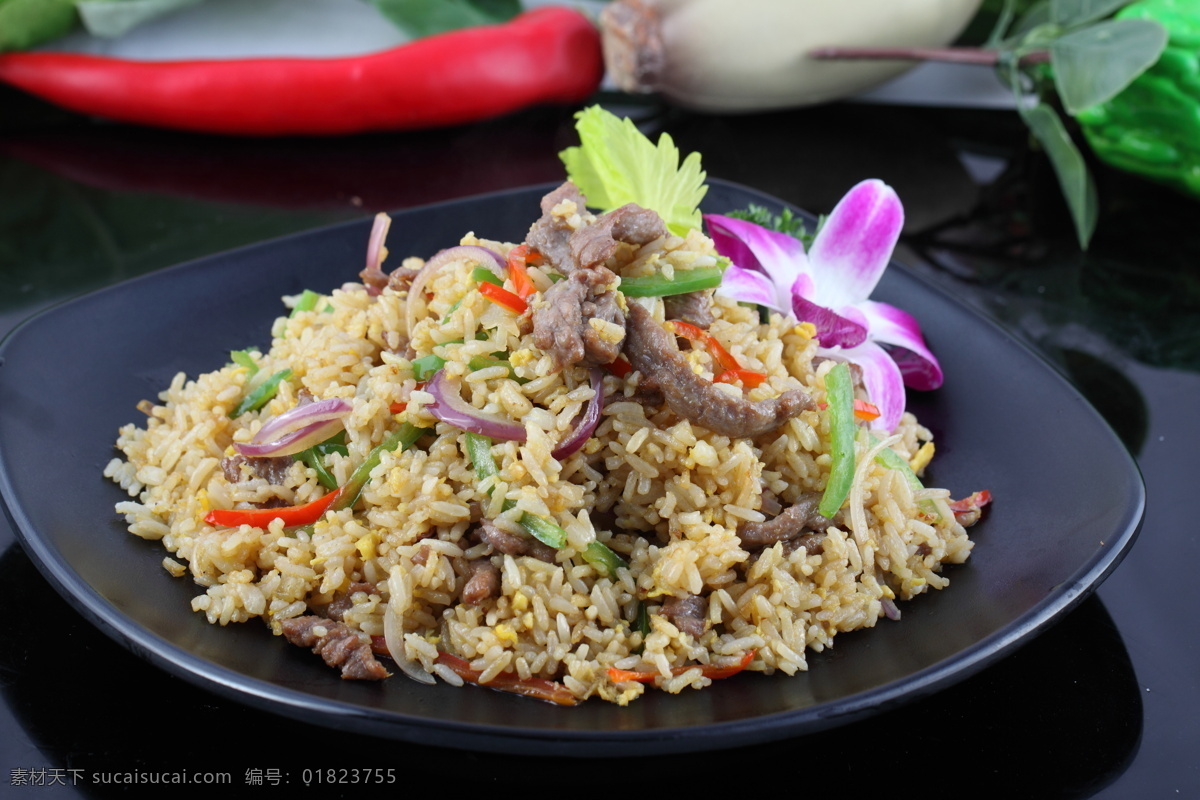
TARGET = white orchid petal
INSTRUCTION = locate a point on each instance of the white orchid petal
(883, 382)
(891, 326)
(750, 246)
(748, 286)
(855, 244)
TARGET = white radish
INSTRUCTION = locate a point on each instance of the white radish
(748, 55)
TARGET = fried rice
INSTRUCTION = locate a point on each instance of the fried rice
(689, 602)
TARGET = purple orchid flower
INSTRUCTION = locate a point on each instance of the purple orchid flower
(829, 287)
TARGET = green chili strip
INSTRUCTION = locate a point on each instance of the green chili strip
(892, 460)
(484, 362)
(259, 397)
(243, 359)
(839, 395)
(314, 457)
(450, 311)
(642, 623)
(425, 366)
(691, 280)
(307, 302)
(403, 438)
(483, 274)
(599, 555)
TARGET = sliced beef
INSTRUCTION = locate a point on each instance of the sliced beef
(813, 544)
(652, 351)
(562, 327)
(512, 544)
(273, 468)
(401, 278)
(689, 614)
(550, 235)
(594, 244)
(483, 582)
(338, 644)
(693, 307)
(338, 608)
(790, 523)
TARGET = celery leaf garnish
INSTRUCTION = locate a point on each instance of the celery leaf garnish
(616, 164)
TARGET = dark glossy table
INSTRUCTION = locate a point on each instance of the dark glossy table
(1103, 704)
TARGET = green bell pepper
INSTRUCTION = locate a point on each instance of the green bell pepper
(1152, 128)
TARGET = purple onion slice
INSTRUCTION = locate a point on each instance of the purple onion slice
(291, 443)
(302, 416)
(449, 407)
(587, 421)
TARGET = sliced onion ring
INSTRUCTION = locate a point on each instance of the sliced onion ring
(588, 420)
(373, 275)
(393, 629)
(449, 407)
(291, 443)
(302, 416)
(416, 291)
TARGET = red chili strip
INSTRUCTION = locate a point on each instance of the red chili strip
(974, 502)
(749, 379)
(546, 55)
(707, 670)
(619, 367)
(715, 349)
(261, 517)
(862, 409)
(865, 410)
(503, 297)
(538, 688)
(518, 257)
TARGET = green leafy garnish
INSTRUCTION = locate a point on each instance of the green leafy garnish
(616, 164)
(1091, 59)
(1061, 52)
(786, 222)
(426, 17)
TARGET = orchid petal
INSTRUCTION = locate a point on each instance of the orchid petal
(779, 256)
(748, 286)
(899, 330)
(883, 382)
(833, 329)
(853, 247)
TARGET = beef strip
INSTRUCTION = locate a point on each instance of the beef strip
(338, 644)
(482, 581)
(550, 235)
(561, 327)
(374, 278)
(689, 614)
(339, 607)
(273, 468)
(794, 520)
(693, 307)
(511, 544)
(652, 351)
(401, 278)
(594, 244)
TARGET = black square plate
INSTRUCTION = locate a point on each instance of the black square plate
(1068, 503)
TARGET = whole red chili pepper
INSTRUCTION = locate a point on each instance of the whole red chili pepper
(547, 55)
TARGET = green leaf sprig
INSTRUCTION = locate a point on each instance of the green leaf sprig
(1071, 50)
(420, 18)
(1091, 59)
